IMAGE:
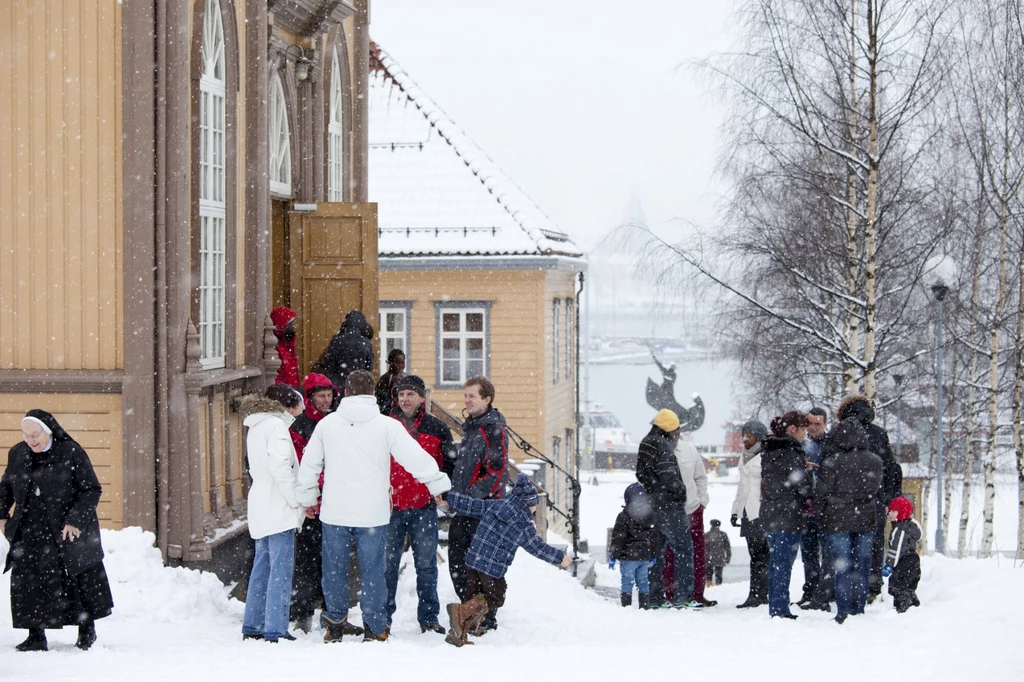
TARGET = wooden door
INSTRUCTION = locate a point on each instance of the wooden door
(333, 269)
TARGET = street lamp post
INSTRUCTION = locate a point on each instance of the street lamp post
(898, 379)
(939, 290)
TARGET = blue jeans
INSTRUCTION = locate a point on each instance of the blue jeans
(421, 527)
(270, 587)
(635, 571)
(851, 559)
(783, 548)
(674, 526)
(370, 549)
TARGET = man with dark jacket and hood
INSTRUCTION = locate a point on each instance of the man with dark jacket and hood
(657, 470)
(481, 471)
(858, 407)
(350, 349)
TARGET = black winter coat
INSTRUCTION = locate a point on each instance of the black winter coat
(785, 485)
(717, 547)
(350, 349)
(858, 407)
(67, 482)
(849, 480)
(481, 468)
(634, 539)
(657, 470)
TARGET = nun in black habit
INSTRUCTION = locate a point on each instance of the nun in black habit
(56, 559)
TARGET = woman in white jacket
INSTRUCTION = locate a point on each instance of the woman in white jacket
(745, 511)
(274, 512)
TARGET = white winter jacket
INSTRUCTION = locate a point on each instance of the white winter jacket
(695, 476)
(353, 447)
(748, 493)
(273, 507)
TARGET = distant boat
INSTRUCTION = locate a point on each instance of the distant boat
(606, 443)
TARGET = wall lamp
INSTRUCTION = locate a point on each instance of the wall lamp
(301, 62)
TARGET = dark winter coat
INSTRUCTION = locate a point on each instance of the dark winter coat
(634, 536)
(350, 349)
(436, 439)
(846, 499)
(67, 482)
(718, 547)
(386, 391)
(481, 469)
(785, 485)
(657, 470)
(858, 407)
(904, 539)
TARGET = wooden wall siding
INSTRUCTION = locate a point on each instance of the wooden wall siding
(560, 398)
(60, 185)
(94, 420)
(516, 337)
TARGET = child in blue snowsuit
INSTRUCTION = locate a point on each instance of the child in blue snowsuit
(505, 526)
(634, 545)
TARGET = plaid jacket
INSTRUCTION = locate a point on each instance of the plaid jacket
(505, 525)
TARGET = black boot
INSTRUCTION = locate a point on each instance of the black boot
(36, 641)
(645, 601)
(626, 598)
(86, 636)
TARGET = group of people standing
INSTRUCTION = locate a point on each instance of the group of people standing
(827, 494)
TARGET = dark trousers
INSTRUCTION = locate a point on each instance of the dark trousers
(699, 552)
(493, 589)
(715, 574)
(307, 593)
(757, 545)
(903, 582)
(877, 554)
(810, 555)
(674, 528)
(460, 536)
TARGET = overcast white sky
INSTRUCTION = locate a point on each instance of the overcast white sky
(581, 103)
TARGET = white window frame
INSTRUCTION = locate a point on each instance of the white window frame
(402, 338)
(462, 308)
(335, 146)
(280, 140)
(570, 345)
(212, 192)
(556, 320)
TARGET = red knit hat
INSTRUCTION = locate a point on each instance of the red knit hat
(903, 507)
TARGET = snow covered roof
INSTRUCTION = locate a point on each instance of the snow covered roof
(437, 192)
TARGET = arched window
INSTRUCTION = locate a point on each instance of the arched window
(280, 140)
(212, 219)
(334, 146)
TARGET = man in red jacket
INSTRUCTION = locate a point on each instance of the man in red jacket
(413, 510)
(306, 591)
(284, 329)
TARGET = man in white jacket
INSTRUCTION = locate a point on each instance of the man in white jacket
(695, 478)
(353, 447)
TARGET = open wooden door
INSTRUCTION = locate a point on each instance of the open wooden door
(332, 263)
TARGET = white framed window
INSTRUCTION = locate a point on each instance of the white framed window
(212, 218)
(570, 338)
(556, 315)
(462, 341)
(280, 140)
(335, 149)
(394, 331)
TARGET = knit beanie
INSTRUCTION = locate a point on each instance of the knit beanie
(666, 420)
(524, 489)
(903, 507)
(756, 429)
(715, 523)
(411, 382)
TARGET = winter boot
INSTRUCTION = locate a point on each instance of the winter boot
(368, 636)
(334, 630)
(626, 599)
(706, 602)
(86, 636)
(36, 641)
(304, 624)
(465, 617)
(433, 627)
(645, 601)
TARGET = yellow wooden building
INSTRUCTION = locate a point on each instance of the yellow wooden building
(146, 150)
(474, 277)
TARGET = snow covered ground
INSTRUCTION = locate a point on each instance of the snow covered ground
(178, 624)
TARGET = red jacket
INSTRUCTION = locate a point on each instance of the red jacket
(289, 370)
(302, 428)
(434, 437)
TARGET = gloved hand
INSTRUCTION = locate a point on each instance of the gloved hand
(650, 564)
(735, 520)
(611, 563)
(886, 571)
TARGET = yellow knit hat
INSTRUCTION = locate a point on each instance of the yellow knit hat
(666, 420)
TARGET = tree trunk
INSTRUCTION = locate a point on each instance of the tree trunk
(871, 223)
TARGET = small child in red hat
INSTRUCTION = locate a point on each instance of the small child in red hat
(902, 564)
